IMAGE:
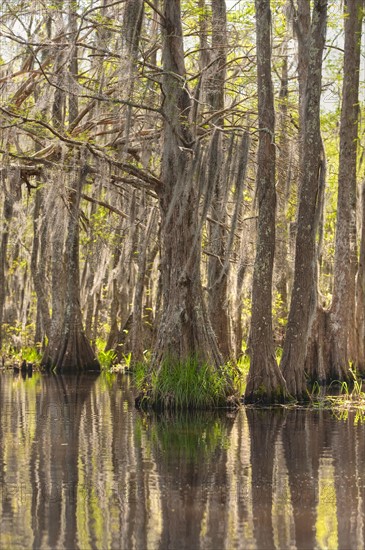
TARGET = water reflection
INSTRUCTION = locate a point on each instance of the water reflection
(80, 468)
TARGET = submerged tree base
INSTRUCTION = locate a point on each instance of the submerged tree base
(74, 355)
(265, 382)
(185, 385)
(267, 396)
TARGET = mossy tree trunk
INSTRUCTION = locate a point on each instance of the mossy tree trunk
(184, 330)
(343, 349)
(265, 381)
(334, 341)
(304, 293)
(69, 350)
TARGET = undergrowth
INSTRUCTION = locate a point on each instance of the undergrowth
(106, 358)
(187, 385)
(350, 396)
(31, 354)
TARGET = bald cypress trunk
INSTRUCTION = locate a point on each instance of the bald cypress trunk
(334, 342)
(360, 295)
(184, 331)
(7, 214)
(265, 381)
(282, 266)
(38, 268)
(343, 349)
(304, 293)
(218, 267)
(69, 349)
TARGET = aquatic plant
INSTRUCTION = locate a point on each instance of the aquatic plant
(186, 385)
(350, 396)
(127, 357)
(106, 358)
(30, 354)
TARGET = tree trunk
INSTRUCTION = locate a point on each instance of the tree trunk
(342, 312)
(360, 295)
(265, 381)
(117, 299)
(218, 268)
(302, 28)
(11, 180)
(132, 24)
(281, 265)
(7, 215)
(38, 268)
(56, 212)
(184, 329)
(243, 254)
(69, 349)
(218, 263)
(304, 293)
(137, 344)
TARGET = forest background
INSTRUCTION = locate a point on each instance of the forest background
(182, 184)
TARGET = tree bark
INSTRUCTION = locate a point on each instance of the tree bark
(69, 349)
(184, 330)
(11, 180)
(304, 293)
(342, 312)
(265, 381)
(360, 295)
(7, 214)
(137, 344)
(38, 268)
(218, 268)
(243, 254)
(281, 265)
(302, 29)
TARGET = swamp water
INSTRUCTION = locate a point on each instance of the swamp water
(81, 468)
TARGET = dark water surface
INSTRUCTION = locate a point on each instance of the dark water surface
(81, 468)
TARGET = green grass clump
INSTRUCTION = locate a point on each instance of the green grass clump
(30, 354)
(186, 385)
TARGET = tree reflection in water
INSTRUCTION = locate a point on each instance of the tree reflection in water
(81, 468)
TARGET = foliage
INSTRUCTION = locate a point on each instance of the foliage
(31, 355)
(106, 358)
(350, 396)
(127, 360)
(187, 385)
(17, 345)
(239, 373)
